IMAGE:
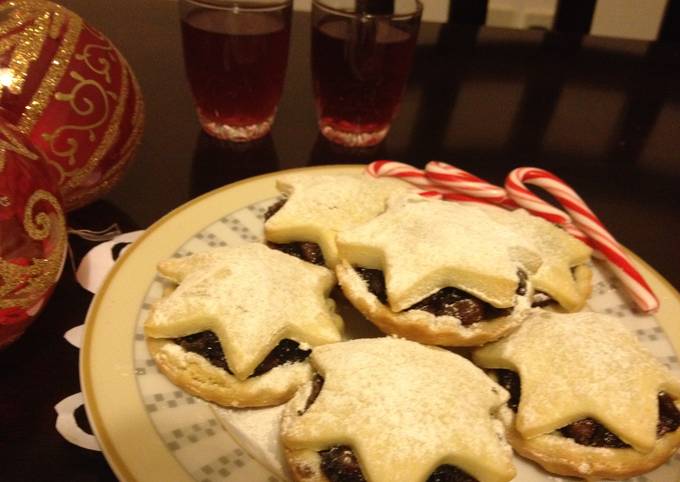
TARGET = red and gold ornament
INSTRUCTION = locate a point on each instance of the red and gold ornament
(69, 90)
(32, 233)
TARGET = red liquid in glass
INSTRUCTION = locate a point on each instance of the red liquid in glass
(359, 72)
(236, 63)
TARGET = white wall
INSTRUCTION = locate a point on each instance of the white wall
(612, 18)
(434, 11)
(628, 18)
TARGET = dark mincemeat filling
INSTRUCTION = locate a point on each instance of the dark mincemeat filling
(306, 251)
(445, 302)
(539, 299)
(375, 281)
(208, 346)
(339, 464)
(510, 381)
(317, 385)
(588, 431)
(274, 208)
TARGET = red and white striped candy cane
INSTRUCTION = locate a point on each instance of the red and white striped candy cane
(439, 186)
(450, 183)
(537, 206)
(582, 220)
(407, 173)
(460, 181)
(403, 171)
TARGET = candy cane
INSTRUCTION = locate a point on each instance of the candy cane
(400, 170)
(407, 173)
(432, 186)
(447, 182)
(584, 221)
(537, 206)
(463, 182)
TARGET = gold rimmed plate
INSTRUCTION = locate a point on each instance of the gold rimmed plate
(151, 430)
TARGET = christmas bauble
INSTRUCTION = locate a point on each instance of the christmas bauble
(32, 233)
(72, 93)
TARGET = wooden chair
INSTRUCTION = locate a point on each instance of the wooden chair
(579, 16)
(545, 83)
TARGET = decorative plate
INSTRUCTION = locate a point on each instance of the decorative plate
(151, 430)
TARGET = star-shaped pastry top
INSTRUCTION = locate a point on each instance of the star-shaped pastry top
(319, 206)
(559, 252)
(424, 245)
(579, 365)
(251, 297)
(405, 409)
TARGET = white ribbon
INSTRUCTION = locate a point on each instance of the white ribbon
(97, 263)
(67, 426)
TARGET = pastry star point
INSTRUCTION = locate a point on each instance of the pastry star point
(597, 370)
(243, 295)
(405, 409)
(461, 250)
(319, 206)
(424, 245)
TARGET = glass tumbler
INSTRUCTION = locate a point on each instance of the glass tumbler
(361, 58)
(235, 56)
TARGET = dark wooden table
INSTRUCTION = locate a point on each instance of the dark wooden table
(603, 114)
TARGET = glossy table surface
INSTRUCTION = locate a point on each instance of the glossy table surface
(603, 114)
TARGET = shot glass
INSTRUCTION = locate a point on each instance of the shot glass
(362, 52)
(235, 56)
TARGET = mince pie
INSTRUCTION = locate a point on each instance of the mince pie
(317, 207)
(229, 332)
(457, 274)
(587, 400)
(392, 410)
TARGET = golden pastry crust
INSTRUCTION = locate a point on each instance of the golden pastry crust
(403, 408)
(321, 205)
(242, 294)
(424, 245)
(558, 251)
(199, 377)
(583, 276)
(304, 464)
(584, 365)
(419, 325)
(561, 455)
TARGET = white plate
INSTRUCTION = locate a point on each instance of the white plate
(150, 430)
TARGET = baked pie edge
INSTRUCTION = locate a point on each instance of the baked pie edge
(193, 373)
(419, 329)
(561, 455)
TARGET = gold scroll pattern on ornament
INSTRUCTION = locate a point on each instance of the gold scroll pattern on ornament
(23, 34)
(116, 171)
(82, 99)
(24, 286)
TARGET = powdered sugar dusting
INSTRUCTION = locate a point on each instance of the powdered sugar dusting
(559, 251)
(319, 206)
(243, 294)
(405, 409)
(258, 429)
(424, 245)
(429, 321)
(597, 370)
